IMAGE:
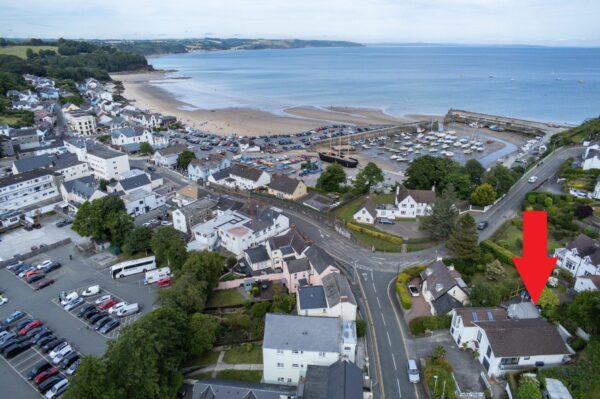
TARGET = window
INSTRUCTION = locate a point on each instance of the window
(280, 365)
(509, 361)
(321, 354)
(479, 336)
(294, 365)
(526, 358)
(489, 351)
(295, 351)
(281, 379)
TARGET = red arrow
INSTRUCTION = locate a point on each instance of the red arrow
(535, 266)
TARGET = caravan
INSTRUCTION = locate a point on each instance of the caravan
(156, 275)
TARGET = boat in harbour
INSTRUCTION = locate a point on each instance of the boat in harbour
(332, 157)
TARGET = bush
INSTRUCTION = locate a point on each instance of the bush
(361, 328)
(259, 309)
(419, 325)
(590, 232)
(375, 233)
(529, 389)
(403, 295)
(578, 344)
(502, 254)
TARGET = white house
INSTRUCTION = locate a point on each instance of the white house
(367, 214)
(139, 181)
(68, 165)
(201, 169)
(240, 176)
(82, 123)
(443, 288)
(292, 343)
(29, 190)
(596, 193)
(581, 257)
(507, 345)
(167, 157)
(103, 162)
(591, 157)
(140, 201)
(587, 283)
(133, 136)
(407, 204)
(332, 299)
(78, 191)
(192, 214)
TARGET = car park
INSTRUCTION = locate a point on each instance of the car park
(38, 368)
(43, 283)
(108, 327)
(57, 389)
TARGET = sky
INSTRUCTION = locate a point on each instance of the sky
(549, 22)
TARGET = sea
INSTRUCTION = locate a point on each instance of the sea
(552, 84)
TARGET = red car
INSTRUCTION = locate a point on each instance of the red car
(33, 273)
(44, 375)
(107, 304)
(43, 283)
(165, 282)
(32, 324)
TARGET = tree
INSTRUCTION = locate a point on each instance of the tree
(463, 241)
(119, 226)
(282, 301)
(90, 381)
(203, 333)
(585, 311)
(146, 148)
(205, 266)
(438, 353)
(168, 247)
(440, 222)
(460, 181)
(475, 170)
(184, 159)
(483, 195)
(548, 300)
(583, 211)
(369, 176)
(138, 240)
(331, 178)
(501, 178)
(103, 219)
(484, 295)
(186, 293)
(494, 270)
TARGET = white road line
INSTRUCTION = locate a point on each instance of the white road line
(383, 318)
(399, 391)
(389, 339)
(379, 303)
(394, 359)
(374, 289)
(372, 275)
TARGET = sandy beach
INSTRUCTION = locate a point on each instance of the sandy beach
(140, 90)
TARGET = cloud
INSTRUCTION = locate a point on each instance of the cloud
(468, 21)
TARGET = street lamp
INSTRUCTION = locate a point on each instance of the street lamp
(435, 378)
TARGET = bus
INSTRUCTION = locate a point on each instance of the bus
(135, 266)
(157, 274)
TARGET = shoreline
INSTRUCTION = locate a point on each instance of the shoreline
(140, 90)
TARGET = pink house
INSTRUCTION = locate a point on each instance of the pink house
(310, 269)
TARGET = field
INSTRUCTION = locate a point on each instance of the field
(247, 353)
(225, 298)
(20, 51)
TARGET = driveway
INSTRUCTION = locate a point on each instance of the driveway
(404, 228)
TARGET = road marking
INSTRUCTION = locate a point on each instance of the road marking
(383, 318)
(374, 289)
(399, 391)
(372, 275)
(379, 304)
(394, 359)
(389, 339)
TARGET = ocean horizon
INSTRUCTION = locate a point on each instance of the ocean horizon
(553, 84)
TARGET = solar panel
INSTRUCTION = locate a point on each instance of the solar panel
(490, 316)
(474, 316)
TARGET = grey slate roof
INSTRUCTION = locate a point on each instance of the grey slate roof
(420, 196)
(176, 149)
(83, 187)
(292, 241)
(528, 337)
(586, 246)
(134, 182)
(245, 171)
(222, 174)
(312, 334)
(22, 177)
(445, 303)
(226, 203)
(103, 152)
(341, 380)
(312, 297)
(439, 278)
(228, 389)
(264, 218)
(337, 289)
(257, 254)
(58, 161)
(298, 265)
(470, 315)
(284, 184)
(319, 259)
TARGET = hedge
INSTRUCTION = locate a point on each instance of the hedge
(402, 291)
(401, 282)
(502, 254)
(375, 233)
(419, 325)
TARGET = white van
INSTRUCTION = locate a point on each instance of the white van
(158, 274)
(68, 298)
(128, 310)
(413, 371)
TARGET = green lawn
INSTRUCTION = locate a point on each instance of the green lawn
(241, 375)
(20, 51)
(243, 354)
(225, 298)
(347, 211)
(200, 376)
(204, 360)
(380, 245)
(511, 233)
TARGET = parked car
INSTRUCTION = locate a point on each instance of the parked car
(58, 348)
(97, 317)
(52, 344)
(532, 179)
(62, 354)
(31, 333)
(20, 267)
(32, 273)
(101, 322)
(53, 267)
(33, 324)
(414, 291)
(115, 308)
(85, 309)
(8, 336)
(413, 371)
(43, 265)
(22, 323)
(90, 313)
(3, 300)
(14, 350)
(73, 367)
(91, 290)
(102, 299)
(35, 278)
(14, 316)
(74, 304)
(108, 327)
(38, 368)
(43, 283)
(64, 299)
(386, 221)
(49, 383)
(128, 310)
(44, 375)
(44, 332)
(44, 340)
(482, 225)
(107, 304)
(163, 283)
(69, 360)
(26, 270)
(57, 389)
(63, 223)
(10, 342)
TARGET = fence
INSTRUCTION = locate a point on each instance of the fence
(36, 252)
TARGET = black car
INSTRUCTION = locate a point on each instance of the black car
(35, 278)
(29, 334)
(111, 325)
(44, 332)
(18, 269)
(48, 384)
(98, 324)
(38, 368)
(22, 323)
(482, 225)
(96, 317)
(52, 267)
(44, 340)
(52, 344)
(11, 342)
(69, 360)
(63, 223)
(90, 313)
(85, 309)
(14, 350)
